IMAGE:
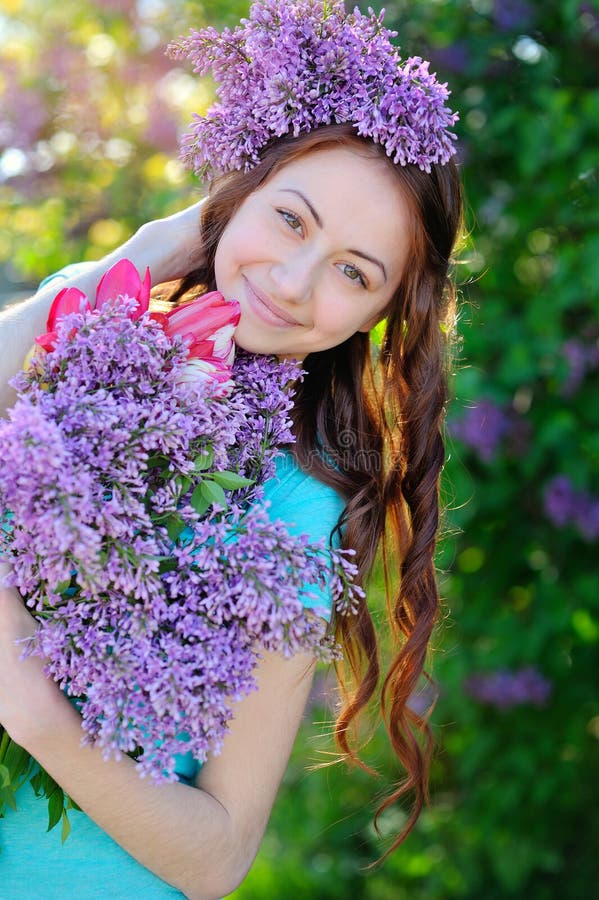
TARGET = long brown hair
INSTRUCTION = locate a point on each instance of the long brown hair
(368, 422)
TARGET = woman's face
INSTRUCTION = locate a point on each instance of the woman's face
(316, 253)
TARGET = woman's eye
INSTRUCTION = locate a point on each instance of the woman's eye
(353, 274)
(291, 220)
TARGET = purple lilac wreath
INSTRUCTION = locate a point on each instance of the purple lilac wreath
(293, 66)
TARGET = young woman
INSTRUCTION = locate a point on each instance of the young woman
(319, 235)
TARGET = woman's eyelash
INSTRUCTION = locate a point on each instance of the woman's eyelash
(360, 277)
(292, 220)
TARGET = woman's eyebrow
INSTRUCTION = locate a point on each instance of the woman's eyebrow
(318, 221)
(303, 197)
(371, 259)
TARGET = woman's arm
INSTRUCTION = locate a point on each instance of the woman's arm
(171, 247)
(203, 839)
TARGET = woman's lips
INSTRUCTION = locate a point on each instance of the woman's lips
(265, 309)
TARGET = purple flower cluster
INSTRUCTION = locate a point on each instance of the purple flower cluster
(509, 15)
(483, 428)
(264, 425)
(565, 505)
(293, 66)
(131, 525)
(582, 357)
(504, 689)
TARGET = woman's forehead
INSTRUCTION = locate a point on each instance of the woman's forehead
(346, 159)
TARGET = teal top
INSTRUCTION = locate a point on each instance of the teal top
(34, 864)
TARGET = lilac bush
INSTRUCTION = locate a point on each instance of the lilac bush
(505, 689)
(582, 357)
(565, 505)
(482, 427)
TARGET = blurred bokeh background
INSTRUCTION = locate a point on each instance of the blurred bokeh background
(90, 109)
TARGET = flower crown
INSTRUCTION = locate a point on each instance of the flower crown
(297, 64)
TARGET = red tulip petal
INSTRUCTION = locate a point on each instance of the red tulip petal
(47, 341)
(200, 349)
(161, 318)
(203, 316)
(146, 287)
(215, 368)
(223, 341)
(68, 300)
(143, 297)
(120, 280)
(209, 371)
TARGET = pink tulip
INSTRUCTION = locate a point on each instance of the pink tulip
(207, 325)
(123, 280)
(68, 300)
(212, 370)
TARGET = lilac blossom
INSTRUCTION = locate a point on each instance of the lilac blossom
(294, 66)
(505, 689)
(131, 522)
(161, 127)
(586, 516)
(589, 17)
(509, 15)
(24, 113)
(483, 427)
(454, 57)
(560, 500)
(582, 357)
(565, 505)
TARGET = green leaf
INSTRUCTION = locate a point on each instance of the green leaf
(174, 526)
(204, 460)
(231, 481)
(62, 586)
(55, 808)
(36, 783)
(4, 776)
(66, 827)
(49, 786)
(167, 565)
(17, 760)
(183, 483)
(7, 798)
(213, 493)
(72, 805)
(199, 500)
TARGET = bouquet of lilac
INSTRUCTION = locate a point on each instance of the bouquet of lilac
(130, 491)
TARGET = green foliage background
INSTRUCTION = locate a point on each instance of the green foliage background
(88, 152)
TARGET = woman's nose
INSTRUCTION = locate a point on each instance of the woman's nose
(293, 277)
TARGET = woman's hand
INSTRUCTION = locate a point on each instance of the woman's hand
(172, 246)
(29, 700)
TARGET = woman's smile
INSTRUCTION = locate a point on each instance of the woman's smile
(264, 308)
